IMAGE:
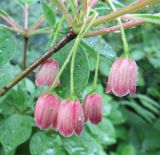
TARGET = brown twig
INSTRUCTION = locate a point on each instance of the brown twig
(69, 36)
(26, 39)
(25, 35)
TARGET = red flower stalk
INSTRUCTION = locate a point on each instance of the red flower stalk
(92, 106)
(46, 110)
(123, 77)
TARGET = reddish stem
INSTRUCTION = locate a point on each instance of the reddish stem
(11, 23)
(26, 13)
(37, 24)
(107, 30)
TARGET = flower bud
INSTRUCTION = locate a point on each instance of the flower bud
(46, 110)
(46, 73)
(70, 118)
(123, 77)
(92, 107)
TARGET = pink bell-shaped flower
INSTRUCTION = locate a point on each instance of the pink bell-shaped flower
(70, 118)
(47, 72)
(123, 77)
(92, 107)
(78, 117)
(46, 110)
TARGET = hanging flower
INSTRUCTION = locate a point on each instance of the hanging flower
(123, 77)
(92, 106)
(70, 118)
(47, 72)
(46, 110)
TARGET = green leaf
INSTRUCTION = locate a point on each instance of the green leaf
(23, 2)
(104, 132)
(122, 133)
(106, 51)
(7, 46)
(81, 71)
(149, 103)
(4, 13)
(73, 7)
(7, 73)
(151, 140)
(155, 60)
(117, 117)
(105, 65)
(17, 100)
(29, 85)
(49, 14)
(146, 114)
(43, 144)
(82, 145)
(151, 18)
(15, 130)
(126, 149)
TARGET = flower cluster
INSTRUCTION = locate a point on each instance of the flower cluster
(66, 116)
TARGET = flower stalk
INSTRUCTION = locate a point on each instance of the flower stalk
(123, 36)
(97, 66)
(84, 29)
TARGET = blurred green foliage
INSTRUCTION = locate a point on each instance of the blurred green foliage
(130, 126)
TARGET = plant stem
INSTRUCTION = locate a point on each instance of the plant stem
(123, 36)
(11, 23)
(57, 30)
(25, 36)
(36, 24)
(64, 11)
(107, 30)
(63, 67)
(133, 7)
(10, 28)
(26, 13)
(26, 39)
(73, 50)
(40, 31)
(73, 7)
(69, 36)
(97, 66)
